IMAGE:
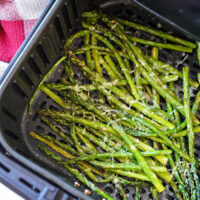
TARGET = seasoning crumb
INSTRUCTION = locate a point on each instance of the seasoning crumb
(77, 184)
(88, 192)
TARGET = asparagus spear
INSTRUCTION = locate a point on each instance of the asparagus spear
(157, 32)
(198, 77)
(76, 173)
(56, 130)
(54, 67)
(121, 191)
(194, 178)
(137, 192)
(198, 51)
(160, 64)
(88, 53)
(96, 55)
(196, 104)
(187, 110)
(120, 155)
(161, 45)
(156, 97)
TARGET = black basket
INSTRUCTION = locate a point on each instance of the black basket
(40, 51)
(27, 183)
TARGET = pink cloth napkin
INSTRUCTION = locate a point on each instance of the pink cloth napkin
(16, 20)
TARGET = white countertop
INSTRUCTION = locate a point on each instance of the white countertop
(6, 193)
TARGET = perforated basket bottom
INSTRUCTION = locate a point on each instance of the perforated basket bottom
(33, 122)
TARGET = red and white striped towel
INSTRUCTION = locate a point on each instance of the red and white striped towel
(16, 20)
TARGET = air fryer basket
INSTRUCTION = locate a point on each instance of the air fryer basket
(41, 52)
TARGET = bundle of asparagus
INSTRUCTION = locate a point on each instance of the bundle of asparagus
(120, 131)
